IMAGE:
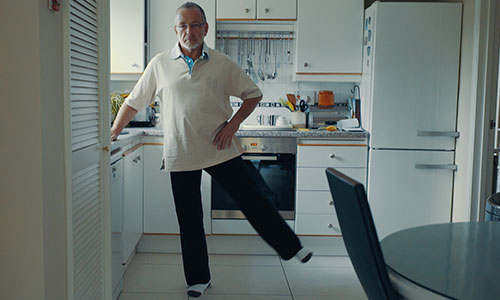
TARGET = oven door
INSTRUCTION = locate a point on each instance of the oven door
(275, 175)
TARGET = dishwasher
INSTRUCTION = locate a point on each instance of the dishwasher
(116, 221)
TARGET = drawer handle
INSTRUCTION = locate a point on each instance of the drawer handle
(247, 10)
(306, 65)
(330, 203)
(330, 226)
(266, 10)
(451, 167)
(438, 133)
(332, 156)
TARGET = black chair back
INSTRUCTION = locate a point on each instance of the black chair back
(360, 236)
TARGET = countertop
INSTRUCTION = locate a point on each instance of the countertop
(313, 133)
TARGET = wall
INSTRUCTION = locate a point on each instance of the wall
(21, 207)
(272, 89)
(468, 179)
(32, 248)
(53, 154)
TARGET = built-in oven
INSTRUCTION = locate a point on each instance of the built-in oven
(273, 164)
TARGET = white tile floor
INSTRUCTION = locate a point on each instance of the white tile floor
(153, 276)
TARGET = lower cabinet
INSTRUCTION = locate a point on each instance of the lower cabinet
(132, 200)
(314, 210)
(159, 208)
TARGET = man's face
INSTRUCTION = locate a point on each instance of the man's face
(190, 28)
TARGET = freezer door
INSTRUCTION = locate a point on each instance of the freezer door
(409, 188)
(415, 75)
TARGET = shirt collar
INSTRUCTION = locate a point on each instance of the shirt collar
(176, 51)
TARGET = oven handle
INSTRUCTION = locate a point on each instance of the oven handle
(258, 157)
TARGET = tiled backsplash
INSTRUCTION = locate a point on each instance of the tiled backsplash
(275, 89)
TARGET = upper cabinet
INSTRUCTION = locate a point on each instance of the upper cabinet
(236, 9)
(256, 9)
(161, 24)
(127, 36)
(329, 40)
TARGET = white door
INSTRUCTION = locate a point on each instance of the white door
(236, 9)
(132, 201)
(161, 24)
(116, 222)
(159, 207)
(127, 36)
(277, 9)
(87, 116)
(415, 75)
(409, 188)
(329, 36)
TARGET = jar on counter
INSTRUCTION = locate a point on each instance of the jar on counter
(298, 119)
(325, 99)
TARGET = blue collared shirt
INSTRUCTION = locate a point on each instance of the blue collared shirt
(189, 61)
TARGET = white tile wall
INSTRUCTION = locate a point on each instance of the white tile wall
(272, 89)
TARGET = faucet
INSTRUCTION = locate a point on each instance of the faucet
(353, 90)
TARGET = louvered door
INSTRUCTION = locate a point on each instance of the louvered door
(89, 206)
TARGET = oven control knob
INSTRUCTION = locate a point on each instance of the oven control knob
(263, 147)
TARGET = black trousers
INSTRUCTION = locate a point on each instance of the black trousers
(235, 178)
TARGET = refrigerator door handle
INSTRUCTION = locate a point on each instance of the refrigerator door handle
(438, 133)
(436, 167)
(257, 157)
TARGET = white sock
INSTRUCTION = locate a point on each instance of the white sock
(304, 255)
(197, 290)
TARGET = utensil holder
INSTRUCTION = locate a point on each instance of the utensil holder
(298, 119)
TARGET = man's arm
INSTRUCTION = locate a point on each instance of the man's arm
(225, 135)
(125, 114)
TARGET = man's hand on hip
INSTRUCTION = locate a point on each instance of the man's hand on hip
(224, 137)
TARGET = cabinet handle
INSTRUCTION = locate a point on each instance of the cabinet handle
(134, 65)
(247, 10)
(266, 10)
(330, 203)
(330, 226)
(306, 65)
(436, 167)
(438, 133)
(332, 156)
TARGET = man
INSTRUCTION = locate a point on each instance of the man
(193, 83)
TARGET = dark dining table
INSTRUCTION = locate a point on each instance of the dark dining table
(445, 261)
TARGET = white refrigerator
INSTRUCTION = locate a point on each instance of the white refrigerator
(409, 92)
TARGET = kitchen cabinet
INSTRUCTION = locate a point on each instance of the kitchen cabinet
(161, 19)
(127, 36)
(329, 40)
(314, 210)
(159, 208)
(116, 224)
(132, 200)
(256, 9)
